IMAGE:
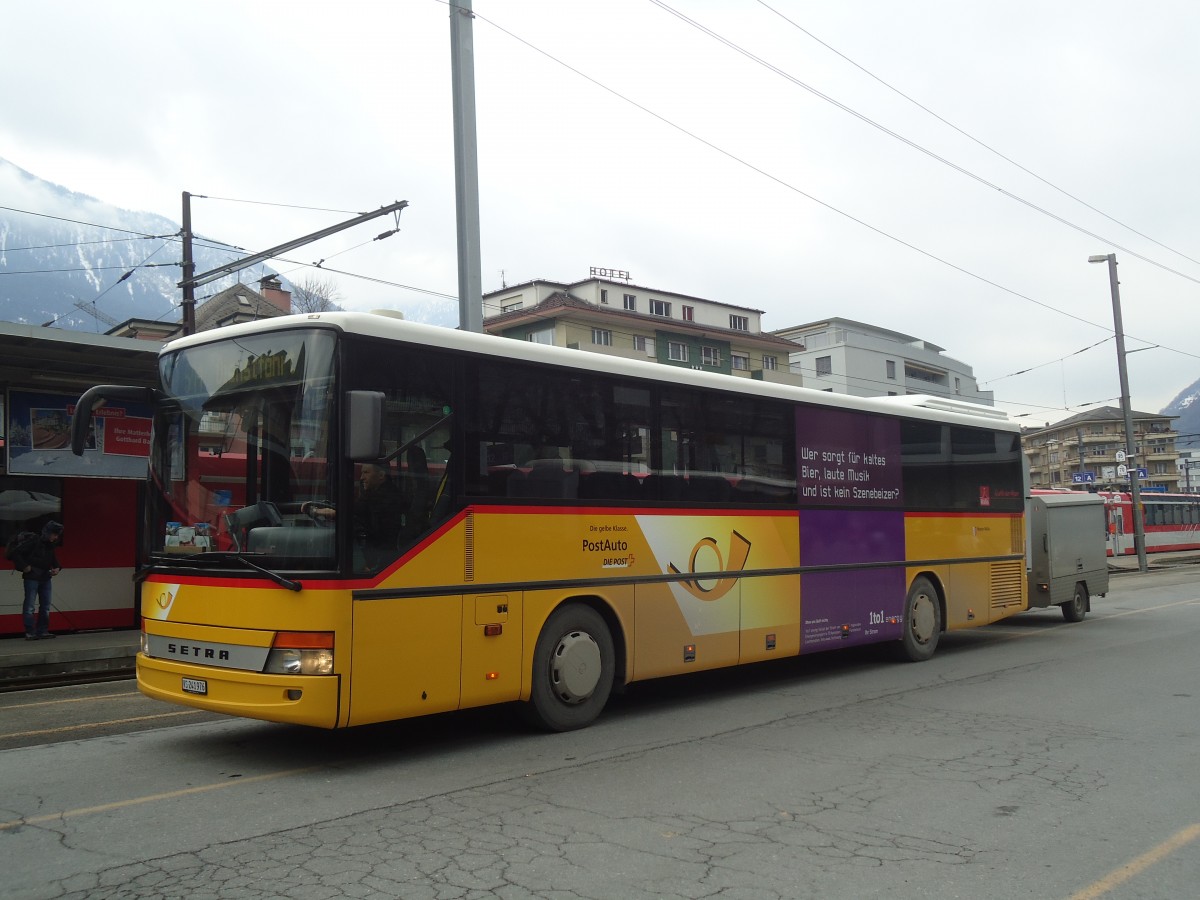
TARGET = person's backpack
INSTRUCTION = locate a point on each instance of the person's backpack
(18, 543)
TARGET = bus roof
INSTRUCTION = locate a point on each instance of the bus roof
(390, 326)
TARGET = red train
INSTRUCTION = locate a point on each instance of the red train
(98, 552)
(1172, 521)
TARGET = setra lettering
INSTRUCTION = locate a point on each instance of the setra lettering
(193, 651)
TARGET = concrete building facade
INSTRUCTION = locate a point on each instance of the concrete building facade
(1087, 446)
(848, 357)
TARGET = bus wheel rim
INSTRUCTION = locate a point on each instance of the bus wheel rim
(923, 618)
(575, 667)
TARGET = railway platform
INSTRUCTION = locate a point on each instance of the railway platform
(1167, 560)
(83, 656)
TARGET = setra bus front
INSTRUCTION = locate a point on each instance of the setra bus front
(242, 608)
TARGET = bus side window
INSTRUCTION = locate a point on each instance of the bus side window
(416, 433)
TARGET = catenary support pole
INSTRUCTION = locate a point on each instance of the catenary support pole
(466, 166)
(1135, 492)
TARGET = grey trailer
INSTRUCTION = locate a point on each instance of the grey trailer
(1066, 553)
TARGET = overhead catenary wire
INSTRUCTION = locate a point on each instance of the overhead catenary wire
(347, 212)
(785, 184)
(448, 296)
(84, 269)
(1049, 363)
(223, 247)
(971, 137)
(914, 145)
(81, 222)
(781, 182)
(148, 237)
(145, 263)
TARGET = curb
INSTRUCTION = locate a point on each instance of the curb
(68, 659)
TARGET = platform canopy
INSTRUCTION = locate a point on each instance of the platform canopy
(54, 359)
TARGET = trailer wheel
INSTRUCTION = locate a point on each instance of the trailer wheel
(573, 665)
(922, 621)
(1076, 608)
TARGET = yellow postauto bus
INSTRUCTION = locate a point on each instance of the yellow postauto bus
(353, 518)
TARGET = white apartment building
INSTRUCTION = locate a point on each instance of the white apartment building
(1189, 471)
(849, 357)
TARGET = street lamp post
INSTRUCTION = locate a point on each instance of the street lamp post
(1139, 524)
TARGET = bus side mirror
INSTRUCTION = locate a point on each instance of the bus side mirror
(94, 397)
(364, 425)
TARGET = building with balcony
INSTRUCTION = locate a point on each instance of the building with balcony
(1082, 451)
(617, 318)
(848, 357)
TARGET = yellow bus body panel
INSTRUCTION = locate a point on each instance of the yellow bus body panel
(406, 658)
(668, 581)
(976, 593)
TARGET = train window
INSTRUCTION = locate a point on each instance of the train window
(26, 504)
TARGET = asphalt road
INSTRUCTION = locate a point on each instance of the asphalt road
(1029, 759)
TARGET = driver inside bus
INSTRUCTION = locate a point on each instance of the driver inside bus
(378, 516)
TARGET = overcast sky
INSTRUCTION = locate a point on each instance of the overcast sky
(781, 175)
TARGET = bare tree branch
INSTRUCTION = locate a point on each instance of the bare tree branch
(315, 294)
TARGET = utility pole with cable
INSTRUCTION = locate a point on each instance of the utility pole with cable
(466, 166)
(189, 269)
(1139, 518)
(191, 281)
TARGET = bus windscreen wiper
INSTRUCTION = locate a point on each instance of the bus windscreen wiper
(280, 580)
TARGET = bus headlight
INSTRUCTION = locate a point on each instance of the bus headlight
(301, 653)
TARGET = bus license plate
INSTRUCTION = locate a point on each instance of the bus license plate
(195, 686)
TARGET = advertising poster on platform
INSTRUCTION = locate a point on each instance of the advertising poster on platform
(39, 437)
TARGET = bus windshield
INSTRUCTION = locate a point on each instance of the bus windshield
(241, 442)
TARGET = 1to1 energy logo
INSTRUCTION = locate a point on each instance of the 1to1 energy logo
(707, 588)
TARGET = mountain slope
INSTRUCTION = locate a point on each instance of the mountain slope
(59, 249)
(1187, 407)
(63, 255)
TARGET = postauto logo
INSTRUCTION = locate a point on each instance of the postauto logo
(707, 589)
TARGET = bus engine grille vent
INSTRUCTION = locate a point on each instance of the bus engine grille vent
(1008, 582)
(469, 539)
(1017, 534)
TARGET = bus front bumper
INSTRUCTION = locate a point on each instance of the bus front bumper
(294, 699)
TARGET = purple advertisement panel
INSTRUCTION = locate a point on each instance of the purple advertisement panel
(847, 458)
(854, 605)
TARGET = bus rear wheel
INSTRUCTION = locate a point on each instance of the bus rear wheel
(573, 664)
(1076, 608)
(922, 621)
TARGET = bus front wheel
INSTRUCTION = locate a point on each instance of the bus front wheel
(1076, 608)
(922, 621)
(573, 665)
